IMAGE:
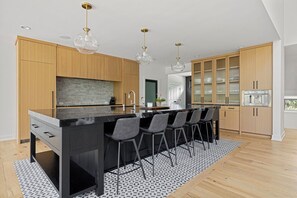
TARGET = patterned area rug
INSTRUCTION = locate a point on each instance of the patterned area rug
(34, 182)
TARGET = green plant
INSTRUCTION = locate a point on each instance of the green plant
(159, 99)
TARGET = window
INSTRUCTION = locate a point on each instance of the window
(290, 103)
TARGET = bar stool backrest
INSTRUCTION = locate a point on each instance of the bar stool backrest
(159, 123)
(209, 114)
(180, 119)
(126, 128)
(196, 116)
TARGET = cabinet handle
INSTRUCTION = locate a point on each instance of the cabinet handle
(253, 84)
(253, 111)
(256, 111)
(224, 113)
(256, 84)
(53, 99)
(35, 126)
(49, 135)
(231, 108)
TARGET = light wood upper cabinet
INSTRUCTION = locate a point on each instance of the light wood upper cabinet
(264, 67)
(95, 65)
(71, 63)
(36, 80)
(64, 62)
(113, 68)
(248, 69)
(256, 68)
(79, 65)
(38, 52)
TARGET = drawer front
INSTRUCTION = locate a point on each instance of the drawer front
(47, 133)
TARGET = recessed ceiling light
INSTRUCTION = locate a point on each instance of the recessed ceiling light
(25, 27)
(65, 37)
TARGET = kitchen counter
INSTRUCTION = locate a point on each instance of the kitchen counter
(216, 104)
(77, 142)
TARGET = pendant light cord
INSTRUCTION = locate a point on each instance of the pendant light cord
(86, 18)
(144, 41)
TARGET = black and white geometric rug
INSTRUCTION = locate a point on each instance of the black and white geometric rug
(34, 183)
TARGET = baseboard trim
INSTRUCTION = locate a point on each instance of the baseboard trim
(2, 139)
(278, 137)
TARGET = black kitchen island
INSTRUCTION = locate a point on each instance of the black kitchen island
(76, 138)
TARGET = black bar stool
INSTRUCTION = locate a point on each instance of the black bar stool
(125, 131)
(157, 127)
(178, 126)
(208, 120)
(193, 123)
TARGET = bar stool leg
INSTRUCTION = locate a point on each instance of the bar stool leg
(193, 138)
(207, 135)
(153, 153)
(183, 131)
(175, 145)
(118, 171)
(167, 148)
(139, 159)
(201, 136)
(139, 144)
(213, 134)
(160, 144)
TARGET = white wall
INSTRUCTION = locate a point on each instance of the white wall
(153, 72)
(290, 22)
(8, 116)
(291, 70)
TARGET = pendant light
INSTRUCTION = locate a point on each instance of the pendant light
(179, 65)
(144, 57)
(85, 43)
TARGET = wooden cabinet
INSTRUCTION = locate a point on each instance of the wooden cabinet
(130, 80)
(216, 79)
(229, 118)
(113, 68)
(36, 75)
(71, 63)
(256, 68)
(264, 67)
(256, 74)
(256, 120)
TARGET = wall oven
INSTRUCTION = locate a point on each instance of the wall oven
(259, 98)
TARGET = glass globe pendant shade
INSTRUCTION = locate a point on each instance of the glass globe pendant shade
(85, 43)
(144, 57)
(178, 67)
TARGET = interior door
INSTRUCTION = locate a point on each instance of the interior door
(151, 91)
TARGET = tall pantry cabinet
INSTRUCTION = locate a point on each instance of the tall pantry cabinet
(256, 74)
(36, 76)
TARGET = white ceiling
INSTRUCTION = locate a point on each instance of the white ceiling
(206, 27)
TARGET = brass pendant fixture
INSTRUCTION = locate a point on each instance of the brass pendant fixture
(144, 57)
(85, 43)
(179, 65)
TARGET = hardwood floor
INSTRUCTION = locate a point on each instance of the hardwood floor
(259, 168)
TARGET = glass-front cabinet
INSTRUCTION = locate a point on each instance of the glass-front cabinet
(196, 82)
(234, 79)
(216, 80)
(221, 73)
(208, 81)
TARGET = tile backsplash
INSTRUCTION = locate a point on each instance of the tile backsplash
(72, 91)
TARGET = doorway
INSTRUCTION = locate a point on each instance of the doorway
(151, 91)
(188, 91)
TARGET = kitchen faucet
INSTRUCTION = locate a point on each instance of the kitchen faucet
(134, 95)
